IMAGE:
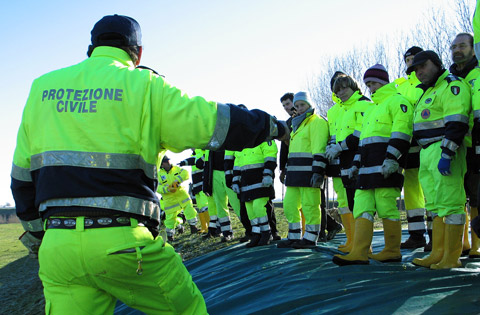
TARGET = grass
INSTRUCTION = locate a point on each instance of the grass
(11, 248)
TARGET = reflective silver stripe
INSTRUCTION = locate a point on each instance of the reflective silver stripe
(256, 229)
(416, 226)
(312, 228)
(254, 222)
(344, 210)
(213, 218)
(414, 149)
(185, 200)
(335, 161)
(294, 236)
(366, 215)
(237, 178)
(432, 214)
(197, 172)
(457, 219)
(192, 221)
(320, 164)
(270, 159)
(229, 172)
(401, 135)
(449, 144)
(425, 125)
(20, 173)
(476, 46)
(395, 152)
(121, 203)
(251, 166)
(229, 157)
(225, 228)
(251, 187)
(374, 139)
(307, 168)
(419, 212)
(170, 232)
(300, 155)
(477, 149)
(268, 172)
(344, 172)
(333, 138)
(357, 133)
(425, 141)
(221, 128)
(264, 227)
(456, 118)
(263, 219)
(33, 225)
(476, 113)
(224, 219)
(177, 205)
(236, 168)
(310, 236)
(357, 157)
(180, 179)
(294, 226)
(93, 160)
(375, 169)
(343, 145)
(391, 219)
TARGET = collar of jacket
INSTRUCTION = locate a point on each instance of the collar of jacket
(412, 78)
(352, 100)
(384, 92)
(297, 121)
(466, 70)
(442, 74)
(114, 53)
(335, 99)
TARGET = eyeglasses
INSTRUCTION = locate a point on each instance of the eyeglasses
(461, 46)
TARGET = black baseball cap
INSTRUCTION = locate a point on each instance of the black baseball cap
(125, 26)
(412, 51)
(422, 57)
(165, 159)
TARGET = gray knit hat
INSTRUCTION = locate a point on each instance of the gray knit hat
(302, 96)
(376, 73)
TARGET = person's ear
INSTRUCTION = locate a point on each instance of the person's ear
(140, 50)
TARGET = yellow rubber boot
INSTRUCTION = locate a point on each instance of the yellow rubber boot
(204, 220)
(349, 225)
(438, 241)
(475, 250)
(453, 247)
(361, 245)
(392, 233)
(466, 243)
(303, 222)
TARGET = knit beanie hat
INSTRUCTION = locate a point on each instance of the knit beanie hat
(376, 73)
(302, 96)
(412, 51)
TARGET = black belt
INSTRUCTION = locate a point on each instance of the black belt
(89, 223)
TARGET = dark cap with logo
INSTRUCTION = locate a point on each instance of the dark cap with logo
(422, 57)
(122, 25)
(412, 51)
(165, 159)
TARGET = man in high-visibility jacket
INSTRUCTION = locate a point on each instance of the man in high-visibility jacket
(384, 141)
(253, 181)
(465, 66)
(196, 160)
(175, 197)
(413, 194)
(305, 174)
(441, 121)
(85, 169)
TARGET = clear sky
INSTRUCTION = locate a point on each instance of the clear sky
(249, 51)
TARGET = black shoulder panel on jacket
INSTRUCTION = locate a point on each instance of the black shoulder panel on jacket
(147, 68)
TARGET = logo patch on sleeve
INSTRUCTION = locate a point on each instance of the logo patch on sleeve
(428, 100)
(404, 108)
(425, 113)
(455, 90)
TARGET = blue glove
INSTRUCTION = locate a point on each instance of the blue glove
(444, 165)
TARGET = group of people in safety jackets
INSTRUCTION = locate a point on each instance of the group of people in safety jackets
(418, 133)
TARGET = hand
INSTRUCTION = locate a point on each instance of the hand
(333, 151)
(282, 176)
(267, 181)
(31, 243)
(316, 181)
(444, 165)
(172, 189)
(389, 167)
(352, 172)
(175, 184)
(236, 188)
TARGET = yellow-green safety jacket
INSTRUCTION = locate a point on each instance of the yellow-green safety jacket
(442, 113)
(333, 118)
(251, 165)
(166, 179)
(306, 154)
(386, 133)
(91, 134)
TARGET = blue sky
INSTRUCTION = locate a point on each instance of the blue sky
(249, 51)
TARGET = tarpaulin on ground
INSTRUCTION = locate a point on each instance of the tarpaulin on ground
(269, 280)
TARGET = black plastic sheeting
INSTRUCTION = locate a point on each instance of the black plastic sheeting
(268, 280)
